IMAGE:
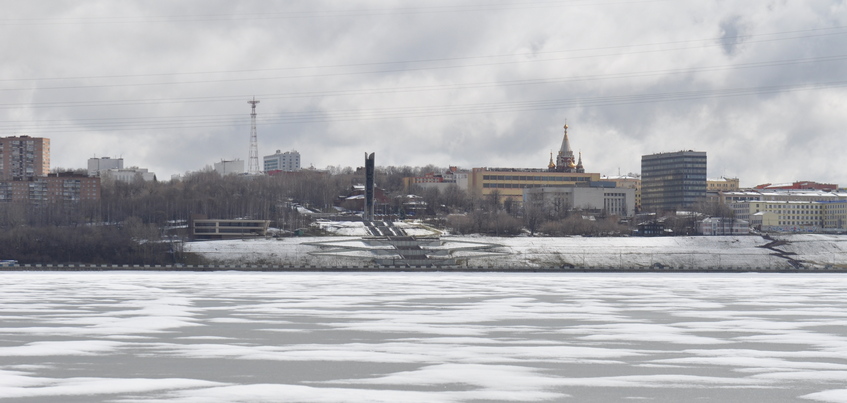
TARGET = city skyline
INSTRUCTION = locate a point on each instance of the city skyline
(758, 86)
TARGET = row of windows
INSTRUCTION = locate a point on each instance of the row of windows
(514, 185)
(535, 178)
(226, 230)
(227, 224)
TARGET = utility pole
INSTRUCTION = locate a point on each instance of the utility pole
(253, 160)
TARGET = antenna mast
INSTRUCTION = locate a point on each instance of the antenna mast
(253, 161)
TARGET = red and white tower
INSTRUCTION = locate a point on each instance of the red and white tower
(253, 160)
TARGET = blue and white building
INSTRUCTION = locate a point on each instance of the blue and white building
(288, 161)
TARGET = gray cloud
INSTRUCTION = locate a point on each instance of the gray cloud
(165, 84)
(732, 30)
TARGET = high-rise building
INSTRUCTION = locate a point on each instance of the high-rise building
(288, 161)
(24, 157)
(670, 181)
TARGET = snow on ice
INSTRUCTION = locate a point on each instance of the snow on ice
(420, 337)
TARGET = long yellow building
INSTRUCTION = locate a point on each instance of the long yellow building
(564, 171)
(510, 182)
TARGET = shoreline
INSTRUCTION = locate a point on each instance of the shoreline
(398, 269)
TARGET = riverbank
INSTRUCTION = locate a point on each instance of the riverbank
(788, 252)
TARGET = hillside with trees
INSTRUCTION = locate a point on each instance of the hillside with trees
(134, 222)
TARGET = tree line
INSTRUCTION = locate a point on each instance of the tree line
(130, 220)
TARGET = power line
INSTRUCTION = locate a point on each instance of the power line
(462, 86)
(322, 116)
(712, 42)
(318, 14)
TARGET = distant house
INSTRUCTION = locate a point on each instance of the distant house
(651, 228)
(724, 226)
(412, 205)
(354, 200)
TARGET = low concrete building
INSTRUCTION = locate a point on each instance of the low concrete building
(219, 229)
(629, 180)
(608, 200)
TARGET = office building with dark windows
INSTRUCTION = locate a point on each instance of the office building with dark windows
(670, 181)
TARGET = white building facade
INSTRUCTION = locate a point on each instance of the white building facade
(611, 201)
(97, 165)
(288, 161)
(234, 167)
(128, 175)
(790, 210)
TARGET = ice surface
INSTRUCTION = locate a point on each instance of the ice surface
(421, 337)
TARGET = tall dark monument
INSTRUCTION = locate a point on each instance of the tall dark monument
(369, 188)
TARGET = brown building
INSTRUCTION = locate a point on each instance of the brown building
(24, 158)
(51, 189)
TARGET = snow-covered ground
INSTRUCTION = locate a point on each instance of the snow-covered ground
(125, 337)
(687, 252)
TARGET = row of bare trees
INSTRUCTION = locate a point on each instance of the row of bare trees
(137, 212)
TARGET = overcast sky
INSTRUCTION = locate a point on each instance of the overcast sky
(760, 85)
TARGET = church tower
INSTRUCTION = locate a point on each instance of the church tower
(579, 168)
(565, 161)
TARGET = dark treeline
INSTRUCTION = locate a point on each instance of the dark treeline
(128, 224)
(130, 221)
(132, 242)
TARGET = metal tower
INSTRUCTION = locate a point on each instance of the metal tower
(253, 161)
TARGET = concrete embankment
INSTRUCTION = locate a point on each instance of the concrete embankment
(458, 269)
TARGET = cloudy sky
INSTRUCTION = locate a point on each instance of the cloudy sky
(760, 85)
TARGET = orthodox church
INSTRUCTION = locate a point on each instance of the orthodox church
(565, 161)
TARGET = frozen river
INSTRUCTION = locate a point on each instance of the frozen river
(423, 337)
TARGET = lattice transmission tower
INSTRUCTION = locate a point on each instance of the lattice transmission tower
(253, 161)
